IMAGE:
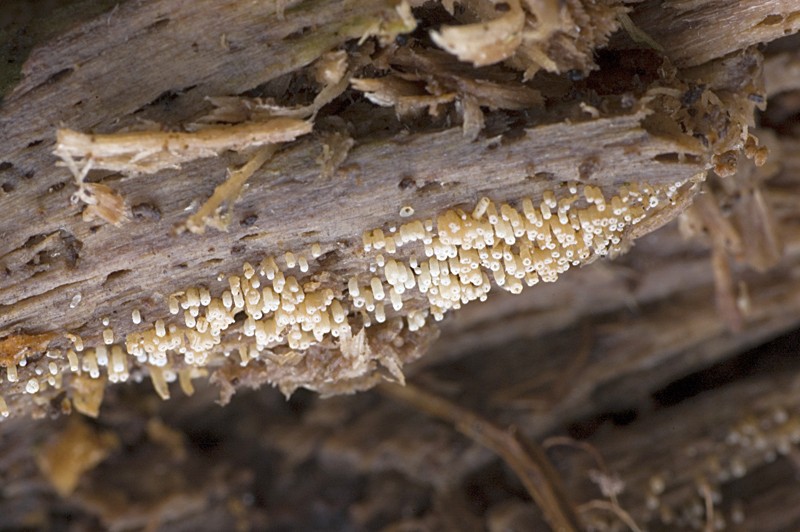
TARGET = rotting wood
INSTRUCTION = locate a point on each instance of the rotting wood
(642, 321)
(444, 169)
(674, 24)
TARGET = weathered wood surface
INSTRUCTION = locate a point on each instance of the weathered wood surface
(443, 167)
(604, 342)
(693, 32)
(64, 274)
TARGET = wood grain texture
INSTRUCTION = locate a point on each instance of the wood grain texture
(612, 343)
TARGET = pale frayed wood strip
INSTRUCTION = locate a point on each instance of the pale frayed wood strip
(405, 96)
(103, 202)
(330, 70)
(335, 148)
(149, 152)
(484, 43)
(208, 214)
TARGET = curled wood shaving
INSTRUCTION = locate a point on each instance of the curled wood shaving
(388, 29)
(545, 21)
(484, 43)
(332, 71)
(404, 96)
(530, 35)
(331, 68)
(429, 78)
(491, 87)
(101, 202)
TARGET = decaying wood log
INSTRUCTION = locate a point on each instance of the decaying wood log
(91, 280)
(295, 193)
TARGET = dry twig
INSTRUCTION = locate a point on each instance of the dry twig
(525, 458)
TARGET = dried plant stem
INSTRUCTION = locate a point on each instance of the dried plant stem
(709, 504)
(624, 516)
(525, 458)
(596, 504)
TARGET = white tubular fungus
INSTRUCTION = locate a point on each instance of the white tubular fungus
(466, 254)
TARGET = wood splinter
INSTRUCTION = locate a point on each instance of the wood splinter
(147, 152)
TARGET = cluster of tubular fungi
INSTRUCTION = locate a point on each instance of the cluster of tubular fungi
(445, 263)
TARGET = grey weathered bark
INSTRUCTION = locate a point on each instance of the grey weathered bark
(604, 338)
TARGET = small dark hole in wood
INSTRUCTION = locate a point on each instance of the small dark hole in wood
(300, 33)
(328, 260)
(575, 75)
(544, 176)
(115, 276)
(72, 248)
(58, 76)
(428, 188)
(771, 20)
(406, 183)
(691, 96)
(624, 417)
(33, 240)
(146, 211)
(588, 167)
(667, 158)
(158, 24)
(248, 220)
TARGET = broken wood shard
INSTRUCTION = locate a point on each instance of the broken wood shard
(149, 152)
(400, 163)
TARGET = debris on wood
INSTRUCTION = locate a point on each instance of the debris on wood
(548, 213)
